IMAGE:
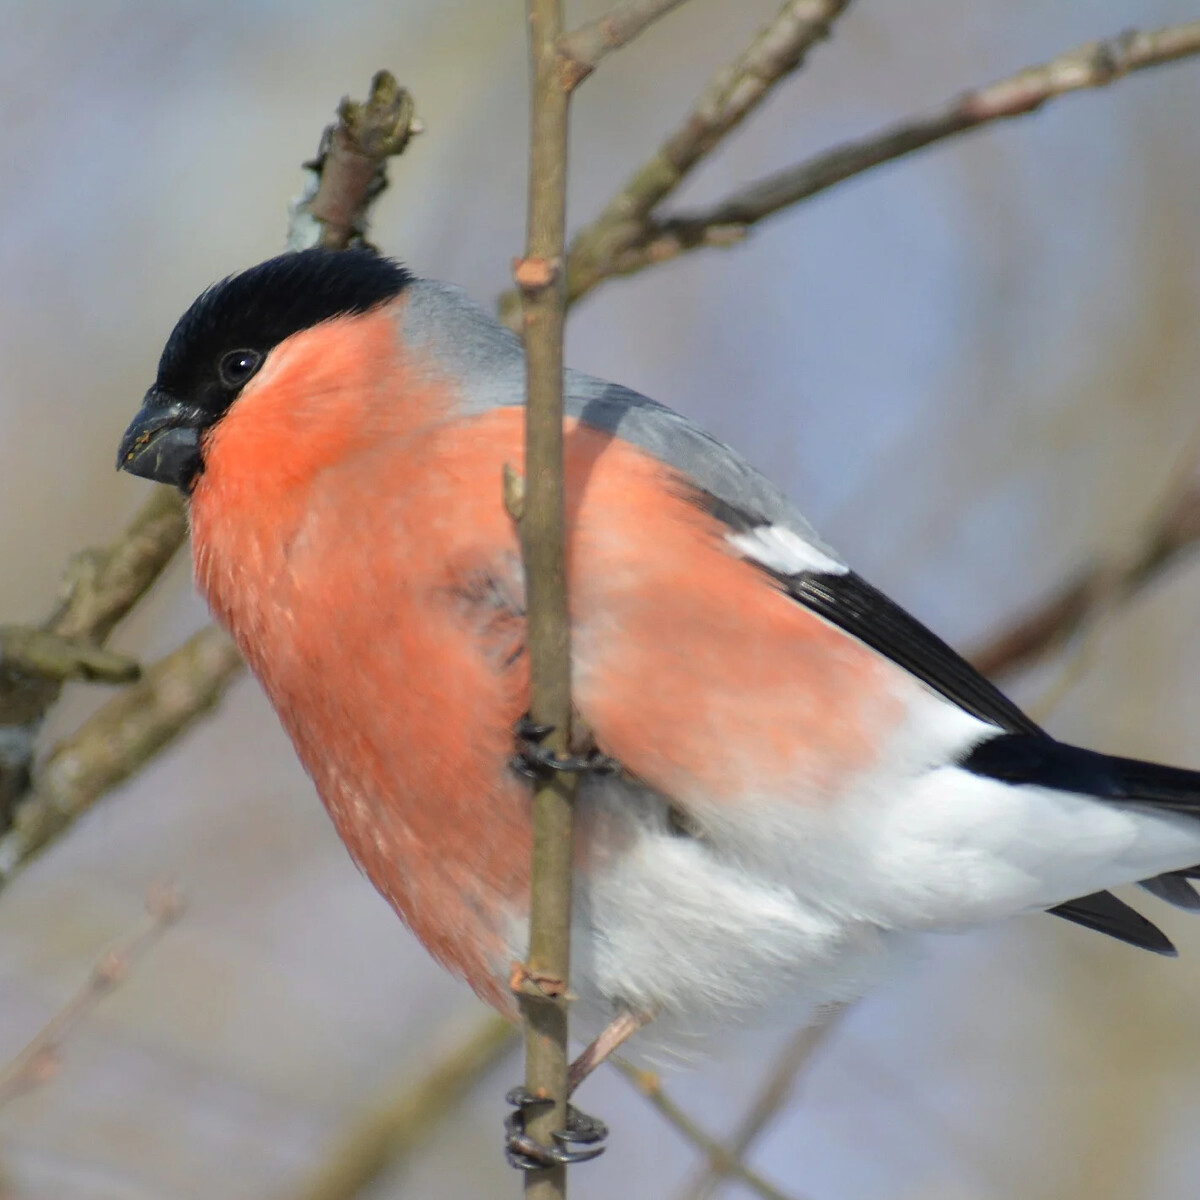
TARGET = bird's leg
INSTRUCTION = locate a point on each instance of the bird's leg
(537, 761)
(614, 1035)
(583, 1131)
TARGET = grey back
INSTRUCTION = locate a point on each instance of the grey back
(487, 359)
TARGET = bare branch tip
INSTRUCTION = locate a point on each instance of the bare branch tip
(349, 172)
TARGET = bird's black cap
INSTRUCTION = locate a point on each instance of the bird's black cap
(224, 337)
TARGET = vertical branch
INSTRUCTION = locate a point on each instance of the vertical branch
(542, 984)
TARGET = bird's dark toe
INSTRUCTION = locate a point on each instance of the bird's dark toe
(537, 761)
(527, 1154)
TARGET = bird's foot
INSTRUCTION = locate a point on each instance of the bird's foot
(538, 761)
(527, 1154)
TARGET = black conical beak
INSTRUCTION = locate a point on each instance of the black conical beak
(162, 442)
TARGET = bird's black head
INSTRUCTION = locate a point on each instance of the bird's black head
(220, 343)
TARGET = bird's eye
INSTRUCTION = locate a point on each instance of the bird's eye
(237, 366)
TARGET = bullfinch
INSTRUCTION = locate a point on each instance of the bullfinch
(794, 778)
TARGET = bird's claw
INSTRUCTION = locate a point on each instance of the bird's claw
(537, 761)
(526, 1154)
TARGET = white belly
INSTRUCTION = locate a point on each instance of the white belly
(668, 924)
(780, 906)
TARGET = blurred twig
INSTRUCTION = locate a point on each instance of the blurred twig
(1109, 594)
(385, 1135)
(720, 1161)
(350, 170)
(772, 1096)
(732, 94)
(40, 1059)
(1041, 631)
(626, 238)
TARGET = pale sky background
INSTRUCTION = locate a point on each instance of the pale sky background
(971, 369)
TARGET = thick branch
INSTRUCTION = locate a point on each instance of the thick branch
(36, 654)
(100, 587)
(350, 170)
(733, 93)
(542, 983)
(1093, 65)
(583, 49)
(117, 740)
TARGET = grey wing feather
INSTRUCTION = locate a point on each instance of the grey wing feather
(488, 359)
(708, 463)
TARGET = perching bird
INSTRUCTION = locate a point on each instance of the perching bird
(805, 776)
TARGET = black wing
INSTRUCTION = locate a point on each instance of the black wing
(852, 604)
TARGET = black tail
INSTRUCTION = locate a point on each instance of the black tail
(1034, 758)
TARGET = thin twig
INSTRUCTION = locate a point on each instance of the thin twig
(117, 740)
(583, 49)
(384, 1136)
(1093, 65)
(350, 170)
(648, 1083)
(541, 982)
(775, 1092)
(1110, 593)
(40, 1059)
(732, 94)
(1039, 632)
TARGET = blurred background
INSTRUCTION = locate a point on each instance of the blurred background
(973, 369)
